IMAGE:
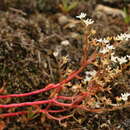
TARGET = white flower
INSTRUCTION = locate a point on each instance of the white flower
(122, 37)
(65, 43)
(87, 78)
(97, 104)
(114, 58)
(117, 59)
(110, 47)
(122, 60)
(125, 96)
(81, 16)
(88, 21)
(104, 50)
(128, 35)
(55, 53)
(89, 75)
(102, 40)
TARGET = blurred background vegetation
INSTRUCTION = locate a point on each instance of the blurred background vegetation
(39, 5)
(30, 6)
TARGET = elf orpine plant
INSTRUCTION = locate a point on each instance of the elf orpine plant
(85, 92)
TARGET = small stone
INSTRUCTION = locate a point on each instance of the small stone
(65, 43)
(74, 35)
(110, 11)
(110, 1)
(62, 19)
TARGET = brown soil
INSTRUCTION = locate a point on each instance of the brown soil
(28, 40)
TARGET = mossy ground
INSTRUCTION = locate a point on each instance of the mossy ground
(28, 39)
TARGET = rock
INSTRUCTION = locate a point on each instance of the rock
(110, 11)
(127, 1)
(65, 43)
(62, 19)
(110, 1)
(74, 35)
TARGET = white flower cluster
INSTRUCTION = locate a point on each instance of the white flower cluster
(89, 75)
(88, 21)
(125, 96)
(107, 49)
(85, 21)
(102, 40)
(122, 37)
(117, 59)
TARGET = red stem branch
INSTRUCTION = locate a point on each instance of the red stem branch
(48, 87)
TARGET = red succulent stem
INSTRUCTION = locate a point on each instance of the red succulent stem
(40, 111)
(48, 87)
(12, 114)
(51, 86)
(75, 100)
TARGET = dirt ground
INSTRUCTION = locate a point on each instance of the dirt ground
(29, 38)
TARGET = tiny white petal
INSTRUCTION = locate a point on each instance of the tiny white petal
(128, 56)
(102, 40)
(88, 21)
(128, 35)
(92, 73)
(122, 37)
(81, 16)
(99, 40)
(56, 53)
(122, 60)
(118, 59)
(65, 43)
(113, 58)
(89, 75)
(125, 96)
(87, 78)
(110, 47)
(104, 50)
